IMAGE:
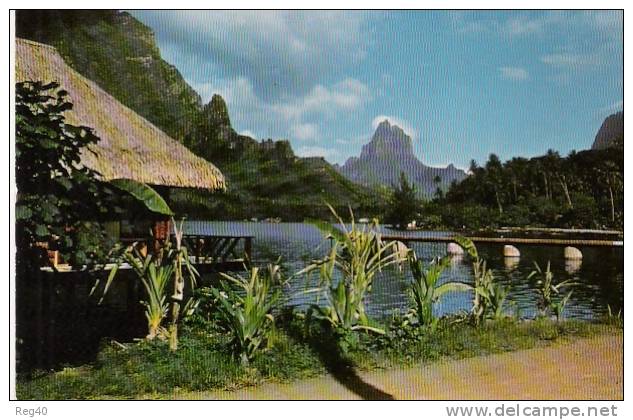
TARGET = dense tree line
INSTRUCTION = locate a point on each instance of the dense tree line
(582, 190)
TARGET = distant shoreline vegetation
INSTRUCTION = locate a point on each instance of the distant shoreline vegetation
(583, 190)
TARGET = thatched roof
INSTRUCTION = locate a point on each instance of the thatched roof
(131, 147)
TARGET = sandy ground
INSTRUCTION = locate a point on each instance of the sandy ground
(583, 369)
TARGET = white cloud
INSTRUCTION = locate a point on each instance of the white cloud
(520, 23)
(345, 95)
(570, 59)
(463, 24)
(608, 22)
(527, 23)
(514, 73)
(270, 66)
(406, 127)
(280, 52)
(307, 131)
(293, 118)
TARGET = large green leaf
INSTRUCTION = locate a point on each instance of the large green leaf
(468, 245)
(145, 194)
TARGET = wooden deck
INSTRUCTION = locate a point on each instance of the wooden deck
(217, 253)
(208, 253)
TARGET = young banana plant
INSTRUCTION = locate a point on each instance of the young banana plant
(548, 291)
(480, 273)
(346, 274)
(490, 297)
(170, 264)
(247, 313)
(425, 290)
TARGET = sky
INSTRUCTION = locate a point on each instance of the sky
(462, 84)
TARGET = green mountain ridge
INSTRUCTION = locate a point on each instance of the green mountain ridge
(265, 179)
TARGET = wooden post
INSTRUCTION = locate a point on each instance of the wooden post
(248, 248)
(48, 321)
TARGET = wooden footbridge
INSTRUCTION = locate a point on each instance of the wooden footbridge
(507, 241)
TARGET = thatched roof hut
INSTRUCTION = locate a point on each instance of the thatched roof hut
(131, 147)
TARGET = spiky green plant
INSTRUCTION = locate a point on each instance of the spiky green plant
(490, 297)
(425, 291)
(548, 291)
(496, 296)
(154, 275)
(156, 271)
(247, 313)
(613, 318)
(154, 278)
(346, 274)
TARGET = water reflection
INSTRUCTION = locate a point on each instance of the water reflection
(599, 275)
(456, 260)
(511, 263)
(572, 266)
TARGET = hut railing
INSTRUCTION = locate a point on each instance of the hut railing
(204, 249)
(221, 251)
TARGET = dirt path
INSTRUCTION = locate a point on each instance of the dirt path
(584, 369)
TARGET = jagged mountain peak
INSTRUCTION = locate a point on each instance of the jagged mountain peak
(387, 130)
(388, 140)
(388, 154)
(216, 111)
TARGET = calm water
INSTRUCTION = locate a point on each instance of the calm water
(599, 276)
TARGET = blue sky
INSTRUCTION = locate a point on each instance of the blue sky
(462, 84)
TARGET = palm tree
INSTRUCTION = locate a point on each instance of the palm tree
(404, 204)
(494, 178)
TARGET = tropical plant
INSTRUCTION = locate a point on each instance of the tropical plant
(154, 277)
(479, 277)
(247, 313)
(583, 189)
(496, 296)
(490, 297)
(144, 194)
(156, 271)
(346, 274)
(403, 204)
(52, 185)
(425, 291)
(613, 318)
(548, 291)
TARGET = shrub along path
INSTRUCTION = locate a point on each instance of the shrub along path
(581, 369)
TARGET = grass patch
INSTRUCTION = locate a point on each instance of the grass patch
(204, 362)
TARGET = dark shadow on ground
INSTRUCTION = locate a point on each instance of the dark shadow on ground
(340, 367)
